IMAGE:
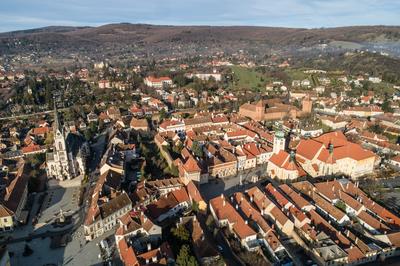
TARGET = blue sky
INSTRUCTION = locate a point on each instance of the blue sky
(26, 14)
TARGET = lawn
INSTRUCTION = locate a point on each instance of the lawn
(297, 74)
(247, 78)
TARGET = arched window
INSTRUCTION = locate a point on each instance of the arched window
(60, 146)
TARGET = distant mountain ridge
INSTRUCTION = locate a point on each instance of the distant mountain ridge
(141, 39)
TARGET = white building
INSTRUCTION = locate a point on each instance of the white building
(66, 162)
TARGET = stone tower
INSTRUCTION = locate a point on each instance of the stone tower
(279, 142)
(260, 108)
(306, 105)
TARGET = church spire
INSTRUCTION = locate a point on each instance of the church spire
(56, 120)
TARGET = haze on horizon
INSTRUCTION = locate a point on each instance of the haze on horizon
(28, 14)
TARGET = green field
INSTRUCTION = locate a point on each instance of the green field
(297, 74)
(247, 78)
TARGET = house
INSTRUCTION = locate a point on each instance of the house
(270, 211)
(129, 256)
(260, 225)
(139, 124)
(321, 203)
(395, 161)
(160, 82)
(171, 126)
(170, 205)
(149, 191)
(14, 200)
(139, 226)
(92, 117)
(335, 123)
(195, 196)
(226, 216)
(296, 198)
(363, 111)
(104, 84)
(220, 161)
(189, 169)
(107, 204)
(113, 113)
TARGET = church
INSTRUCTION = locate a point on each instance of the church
(69, 155)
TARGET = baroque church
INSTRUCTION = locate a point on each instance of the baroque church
(69, 155)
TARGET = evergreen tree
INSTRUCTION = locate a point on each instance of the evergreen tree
(185, 258)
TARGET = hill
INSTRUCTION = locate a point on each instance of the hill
(125, 40)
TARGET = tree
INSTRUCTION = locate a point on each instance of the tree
(341, 205)
(180, 233)
(163, 114)
(195, 206)
(177, 148)
(197, 149)
(185, 258)
(386, 107)
(174, 170)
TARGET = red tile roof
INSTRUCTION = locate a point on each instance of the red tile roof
(128, 256)
(279, 198)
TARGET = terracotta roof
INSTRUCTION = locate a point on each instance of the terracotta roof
(309, 148)
(283, 160)
(5, 212)
(138, 123)
(160, 79)
(326, 227)
(15, 189)
(164, 204)
(224, 210)
(259, 198)
(128, 256)
(354, 254)
(279, 198)
(193, 192)
(298, 200)
(350, 201)
(371, 221)
(191, 165)
(40, 130)
(31, 148)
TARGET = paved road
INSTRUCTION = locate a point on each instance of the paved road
(15, 117)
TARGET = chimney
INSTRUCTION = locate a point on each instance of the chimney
(246, 222)
(148, 246)
(223, 203)
(251, 198)
(237, 207)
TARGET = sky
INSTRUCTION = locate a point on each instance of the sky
(27, 14)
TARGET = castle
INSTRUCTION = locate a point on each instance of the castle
(274, 109)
